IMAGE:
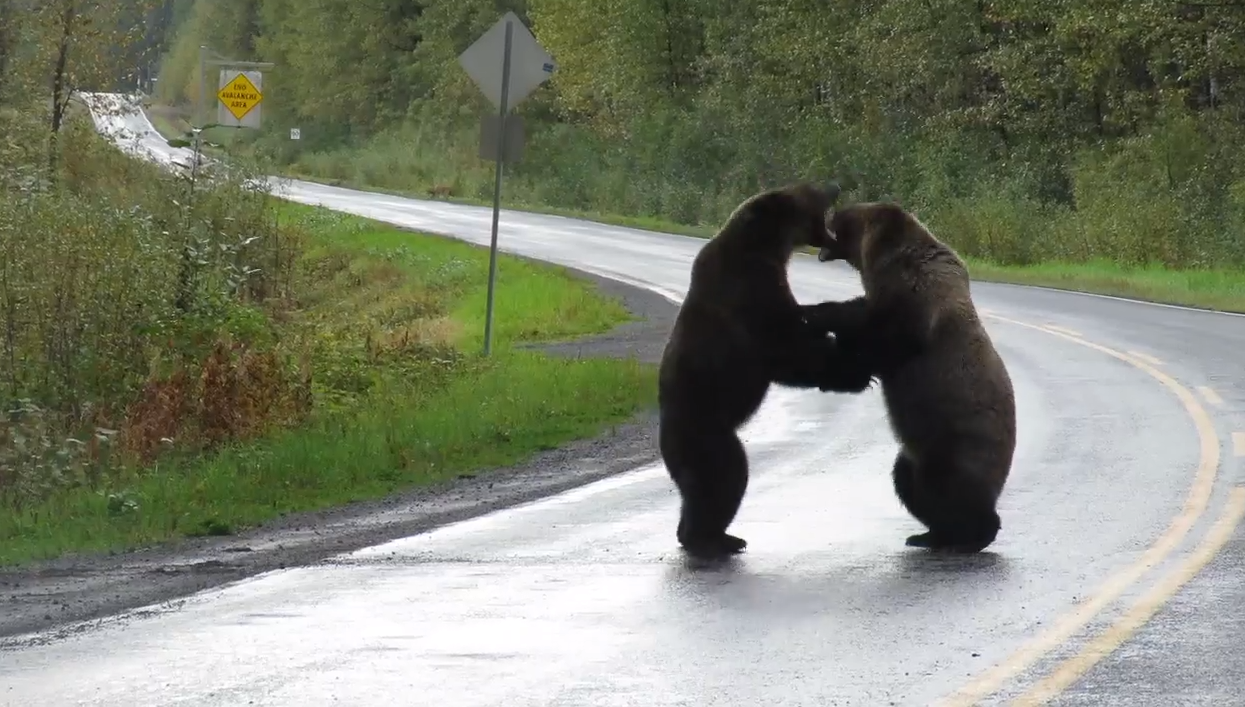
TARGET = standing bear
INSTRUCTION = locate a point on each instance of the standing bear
(739, 330)
(948, 395)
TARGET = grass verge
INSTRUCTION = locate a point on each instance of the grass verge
(390, 323)
(1222, 290)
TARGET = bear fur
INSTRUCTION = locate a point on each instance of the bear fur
(738, 330)
(948, 395)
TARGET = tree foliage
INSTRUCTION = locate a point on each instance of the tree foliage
(982, 113)
(116, 278)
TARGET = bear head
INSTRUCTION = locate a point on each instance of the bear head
(854, 231)
(796, 213)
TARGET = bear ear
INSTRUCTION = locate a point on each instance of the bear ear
(832, 190)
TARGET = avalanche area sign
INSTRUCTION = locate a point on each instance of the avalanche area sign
(240, 96)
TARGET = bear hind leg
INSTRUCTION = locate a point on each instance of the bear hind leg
(959, 512)
(710, 469)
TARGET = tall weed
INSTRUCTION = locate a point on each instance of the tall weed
(117, 284)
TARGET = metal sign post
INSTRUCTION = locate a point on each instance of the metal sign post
(507, 63)
(497, 172)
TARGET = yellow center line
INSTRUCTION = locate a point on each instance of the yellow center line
(1049, 327)
(1144, 609)
(1211, 396)
(1195, 504)
(1145, 357)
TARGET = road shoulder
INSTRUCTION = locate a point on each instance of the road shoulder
(1187, 654)
(53, 594)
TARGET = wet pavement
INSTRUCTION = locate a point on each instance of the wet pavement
(583, 598)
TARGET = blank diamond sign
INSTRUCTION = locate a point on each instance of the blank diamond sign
(507, 56)
(530, 64)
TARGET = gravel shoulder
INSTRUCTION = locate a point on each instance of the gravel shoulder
(56, 594)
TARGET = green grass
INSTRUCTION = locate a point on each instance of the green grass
(533, 301)
(429, 408)
(1209, 289)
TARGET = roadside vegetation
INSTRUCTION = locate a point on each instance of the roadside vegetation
(185, 358)
(1081, 144)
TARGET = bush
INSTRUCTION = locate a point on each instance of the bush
(130, 303)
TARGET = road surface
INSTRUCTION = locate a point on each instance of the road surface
(1124, 487)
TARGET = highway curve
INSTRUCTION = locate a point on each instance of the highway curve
(1124, 486)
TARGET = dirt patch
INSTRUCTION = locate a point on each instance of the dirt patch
(51, 594)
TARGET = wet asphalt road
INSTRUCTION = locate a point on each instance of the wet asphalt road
(583, 598)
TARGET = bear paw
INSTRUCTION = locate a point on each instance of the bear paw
(942, 544)
(714, 547)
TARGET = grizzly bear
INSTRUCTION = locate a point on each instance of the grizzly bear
(948, 395)
(738, 330)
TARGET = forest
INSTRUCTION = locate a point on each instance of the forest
(1067, 131)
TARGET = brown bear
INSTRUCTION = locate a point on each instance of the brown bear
(948, 395)
(739, 330)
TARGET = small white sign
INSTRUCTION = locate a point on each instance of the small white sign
(530, 64)
(296, 134)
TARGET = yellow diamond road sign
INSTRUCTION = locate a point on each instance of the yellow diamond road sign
(239, 96)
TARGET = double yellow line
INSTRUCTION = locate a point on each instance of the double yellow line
(1071, 669)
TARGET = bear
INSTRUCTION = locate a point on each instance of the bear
(948, 395)
(739, 330)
